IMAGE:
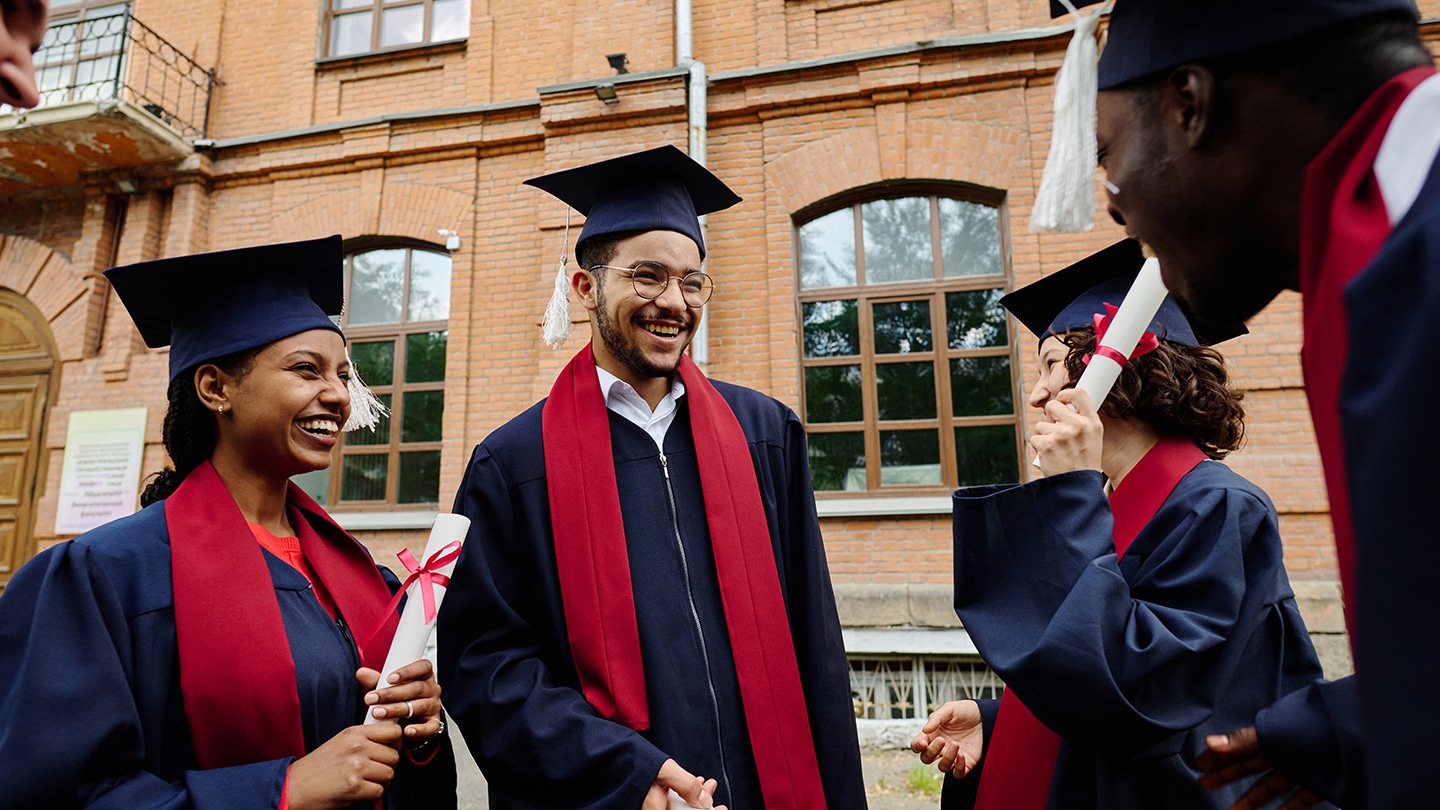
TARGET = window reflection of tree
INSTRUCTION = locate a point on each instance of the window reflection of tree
(896, 409)
(902, 327)
(376, 281)
(827, 250)
(897, 240)
(975, 319)
(968, 239)
(831, 328)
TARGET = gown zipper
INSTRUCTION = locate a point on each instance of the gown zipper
(695, 615)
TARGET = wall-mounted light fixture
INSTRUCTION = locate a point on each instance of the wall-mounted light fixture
(606, 93)
(618, 62)
(452, 239)
(127, 185)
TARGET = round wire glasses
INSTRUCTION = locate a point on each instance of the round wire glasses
(651, 282)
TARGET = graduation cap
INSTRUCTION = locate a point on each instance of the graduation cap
(660, 189)
(209, 305)
(1146, 37)
(1070, 298)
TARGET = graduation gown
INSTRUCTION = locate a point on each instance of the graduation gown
(91, 689)
(1379, 452)
(1131, 660)
(505, 660)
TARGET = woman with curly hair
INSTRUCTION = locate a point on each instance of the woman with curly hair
(1134, 598)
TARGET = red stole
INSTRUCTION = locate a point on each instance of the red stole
(236, 674)
(1343, 223)
(595, 586)
(1020, 761)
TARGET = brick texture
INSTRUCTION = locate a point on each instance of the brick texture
(403, 144)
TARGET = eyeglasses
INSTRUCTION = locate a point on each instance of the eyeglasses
(651, 283)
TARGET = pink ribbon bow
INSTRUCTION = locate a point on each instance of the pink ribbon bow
(1148, 342)
(428, 574)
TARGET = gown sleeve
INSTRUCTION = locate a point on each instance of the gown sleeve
(73, 733)
(1115, 655)
(1313, 736)
(815, 623)
(540, 744)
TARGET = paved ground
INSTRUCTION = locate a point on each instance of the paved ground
(888, 783)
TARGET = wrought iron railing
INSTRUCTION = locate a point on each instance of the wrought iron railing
(118, 57)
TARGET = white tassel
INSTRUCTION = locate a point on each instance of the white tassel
(1066, 200)
(366, 409)
(555, 329)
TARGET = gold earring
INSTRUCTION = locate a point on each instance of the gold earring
(220, 409)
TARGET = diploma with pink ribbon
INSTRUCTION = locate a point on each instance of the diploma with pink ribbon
(1121, 335)
(1126, 328)
(424, 587)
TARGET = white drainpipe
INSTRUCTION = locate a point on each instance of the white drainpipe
(684, 57)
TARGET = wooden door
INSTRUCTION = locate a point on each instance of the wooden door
(28, 374)
(22, 411)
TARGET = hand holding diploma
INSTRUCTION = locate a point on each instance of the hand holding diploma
(1120, 336)
(405, 691)
(1070, 436)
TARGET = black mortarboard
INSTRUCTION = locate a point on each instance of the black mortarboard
(209, 305)
(1070, 298)
(1147, 36)
(659, 189)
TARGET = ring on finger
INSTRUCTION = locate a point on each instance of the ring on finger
(409, 709)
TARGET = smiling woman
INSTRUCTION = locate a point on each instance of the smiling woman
(263, 622)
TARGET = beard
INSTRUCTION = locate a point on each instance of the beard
(625, 351)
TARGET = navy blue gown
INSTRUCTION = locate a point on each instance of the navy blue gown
(505, 661)
(90, 684)
(1131, 660)
(1387, 399)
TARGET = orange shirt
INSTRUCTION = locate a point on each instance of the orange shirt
(288, 549)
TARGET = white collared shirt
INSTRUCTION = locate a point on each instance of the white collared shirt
(622, 398)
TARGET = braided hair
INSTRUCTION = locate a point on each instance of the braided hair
(189, 431)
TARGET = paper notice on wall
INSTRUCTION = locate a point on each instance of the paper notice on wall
(101, 477)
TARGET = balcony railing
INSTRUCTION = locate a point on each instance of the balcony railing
(119, 57)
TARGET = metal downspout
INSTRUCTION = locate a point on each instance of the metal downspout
(697, 119)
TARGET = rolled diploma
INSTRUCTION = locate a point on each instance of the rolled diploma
(1134, 316)
(412, 633)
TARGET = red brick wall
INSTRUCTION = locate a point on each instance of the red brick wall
(786, 141)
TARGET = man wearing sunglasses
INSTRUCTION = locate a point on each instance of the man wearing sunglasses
(644, 603)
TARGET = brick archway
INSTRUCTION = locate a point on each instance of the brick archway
(404, 210)
(932, 149)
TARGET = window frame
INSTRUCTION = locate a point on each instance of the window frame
(77, 12)
(397, 388)
(376, 9)
(932, 290)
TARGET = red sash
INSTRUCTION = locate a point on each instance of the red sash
(1020, 761)
(236, 674)
(1343, 223)
(595, 586)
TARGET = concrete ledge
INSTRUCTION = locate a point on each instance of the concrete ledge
(373, 521)
(896, 605)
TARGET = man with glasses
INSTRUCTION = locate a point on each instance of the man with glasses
(22, 28)
(644, 604)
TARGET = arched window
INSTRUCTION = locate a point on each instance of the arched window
(905, 349)
(396, 322)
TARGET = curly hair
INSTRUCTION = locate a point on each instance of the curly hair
(1179, 390)
(189, 429)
